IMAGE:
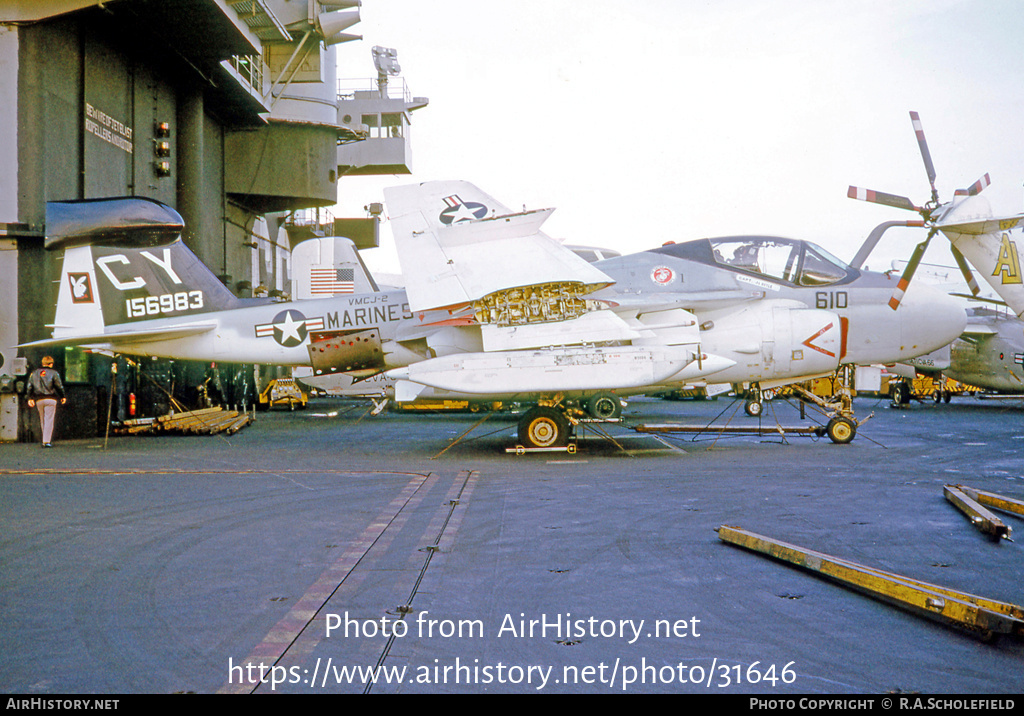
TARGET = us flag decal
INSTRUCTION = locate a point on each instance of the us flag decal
(328, 281)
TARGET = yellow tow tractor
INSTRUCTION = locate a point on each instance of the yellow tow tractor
(282, 392)
(938, 388)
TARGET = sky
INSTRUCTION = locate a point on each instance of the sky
(667, 120)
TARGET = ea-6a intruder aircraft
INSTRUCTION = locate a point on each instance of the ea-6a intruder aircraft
(531, 323)
(494, 308)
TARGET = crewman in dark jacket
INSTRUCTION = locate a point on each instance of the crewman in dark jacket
(45, 388)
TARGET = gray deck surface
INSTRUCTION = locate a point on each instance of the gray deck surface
(164, 564)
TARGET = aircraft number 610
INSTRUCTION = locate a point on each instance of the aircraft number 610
(831, 299)
(166, 303)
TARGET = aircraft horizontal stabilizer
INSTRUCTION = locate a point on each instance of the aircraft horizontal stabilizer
(124, 338)
(127, 221)
(980, 329)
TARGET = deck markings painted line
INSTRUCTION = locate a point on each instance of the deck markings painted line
(443, 526)
(287, 630)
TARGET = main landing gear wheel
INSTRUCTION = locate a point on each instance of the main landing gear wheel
(841, 430)
(543, 427)
(604, 406)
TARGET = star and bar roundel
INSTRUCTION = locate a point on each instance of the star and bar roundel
(290, 328)
(458, 210)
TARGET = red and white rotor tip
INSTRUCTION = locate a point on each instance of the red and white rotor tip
(897, 295)
(975, 188)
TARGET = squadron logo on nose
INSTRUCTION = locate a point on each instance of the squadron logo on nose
(290, 328)
(663, 275)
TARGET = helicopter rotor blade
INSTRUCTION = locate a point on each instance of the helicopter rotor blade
(879, 197)
(975, 188)
(926, 155)
(965, 269)
(908, 272)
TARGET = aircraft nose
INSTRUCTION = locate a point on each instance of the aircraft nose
(931, 319)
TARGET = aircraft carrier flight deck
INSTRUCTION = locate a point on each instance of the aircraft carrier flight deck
(330, 551)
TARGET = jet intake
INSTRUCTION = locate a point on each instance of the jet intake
(776, 339)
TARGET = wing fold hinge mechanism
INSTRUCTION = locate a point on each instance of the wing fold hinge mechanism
(559, 301)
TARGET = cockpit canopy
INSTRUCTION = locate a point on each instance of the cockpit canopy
(797, 262)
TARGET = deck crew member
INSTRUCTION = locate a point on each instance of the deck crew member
(45, 388)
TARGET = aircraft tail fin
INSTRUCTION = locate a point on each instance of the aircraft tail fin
(79, 312)
(330, 266)
(104, 286)
(106, 290)
(990, 246)
(124, 262)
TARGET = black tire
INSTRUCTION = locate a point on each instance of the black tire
(753, 408)
(543, 427)
(841, 430)
(604, 406)
(900, 394)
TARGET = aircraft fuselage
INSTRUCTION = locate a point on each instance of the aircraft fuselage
(993, 361)
(273, 333)
(716, 278)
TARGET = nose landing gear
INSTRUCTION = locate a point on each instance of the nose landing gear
(842, 425)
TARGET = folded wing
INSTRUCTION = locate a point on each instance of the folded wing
(457, 245)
